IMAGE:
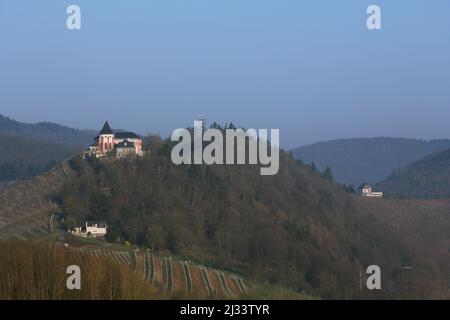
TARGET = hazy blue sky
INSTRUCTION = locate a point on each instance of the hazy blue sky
(310, 68)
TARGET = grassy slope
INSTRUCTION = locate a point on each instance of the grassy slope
(36, 270)
(25, 208)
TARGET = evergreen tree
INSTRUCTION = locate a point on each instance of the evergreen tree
(327, 174)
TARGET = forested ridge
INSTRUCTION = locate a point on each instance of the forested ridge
(426, 178)
(47, 131)
(30, 149)
(22, 158)
(295, 228)
(358, 160)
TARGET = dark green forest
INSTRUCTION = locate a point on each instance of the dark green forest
(426, 178)
(22, 158)
(296, 228)
(30, 149)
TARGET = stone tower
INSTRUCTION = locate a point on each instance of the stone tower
(106, 139)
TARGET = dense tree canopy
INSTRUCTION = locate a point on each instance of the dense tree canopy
(295, 228)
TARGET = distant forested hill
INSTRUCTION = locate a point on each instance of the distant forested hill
(29, 149)
(68, 137)
(426, 178)
(371, 160)
(22, 158)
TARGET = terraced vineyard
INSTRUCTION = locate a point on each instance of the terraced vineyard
(26, 208)
(410, 215)
(423, 225)
(175, 277)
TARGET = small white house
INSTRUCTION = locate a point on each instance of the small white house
(91, 229)
(368, 192)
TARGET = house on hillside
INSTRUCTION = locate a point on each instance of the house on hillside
(118, 144)
(125, 149)
(91, 230)
(367, 191)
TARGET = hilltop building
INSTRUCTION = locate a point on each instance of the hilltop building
(368, 192)
(119, 144)
(91, 229)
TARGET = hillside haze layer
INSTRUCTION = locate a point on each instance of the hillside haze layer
(30, 149)
(367, 160)
(426, 178)
(47, 131)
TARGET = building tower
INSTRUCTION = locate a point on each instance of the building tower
(106, 139)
